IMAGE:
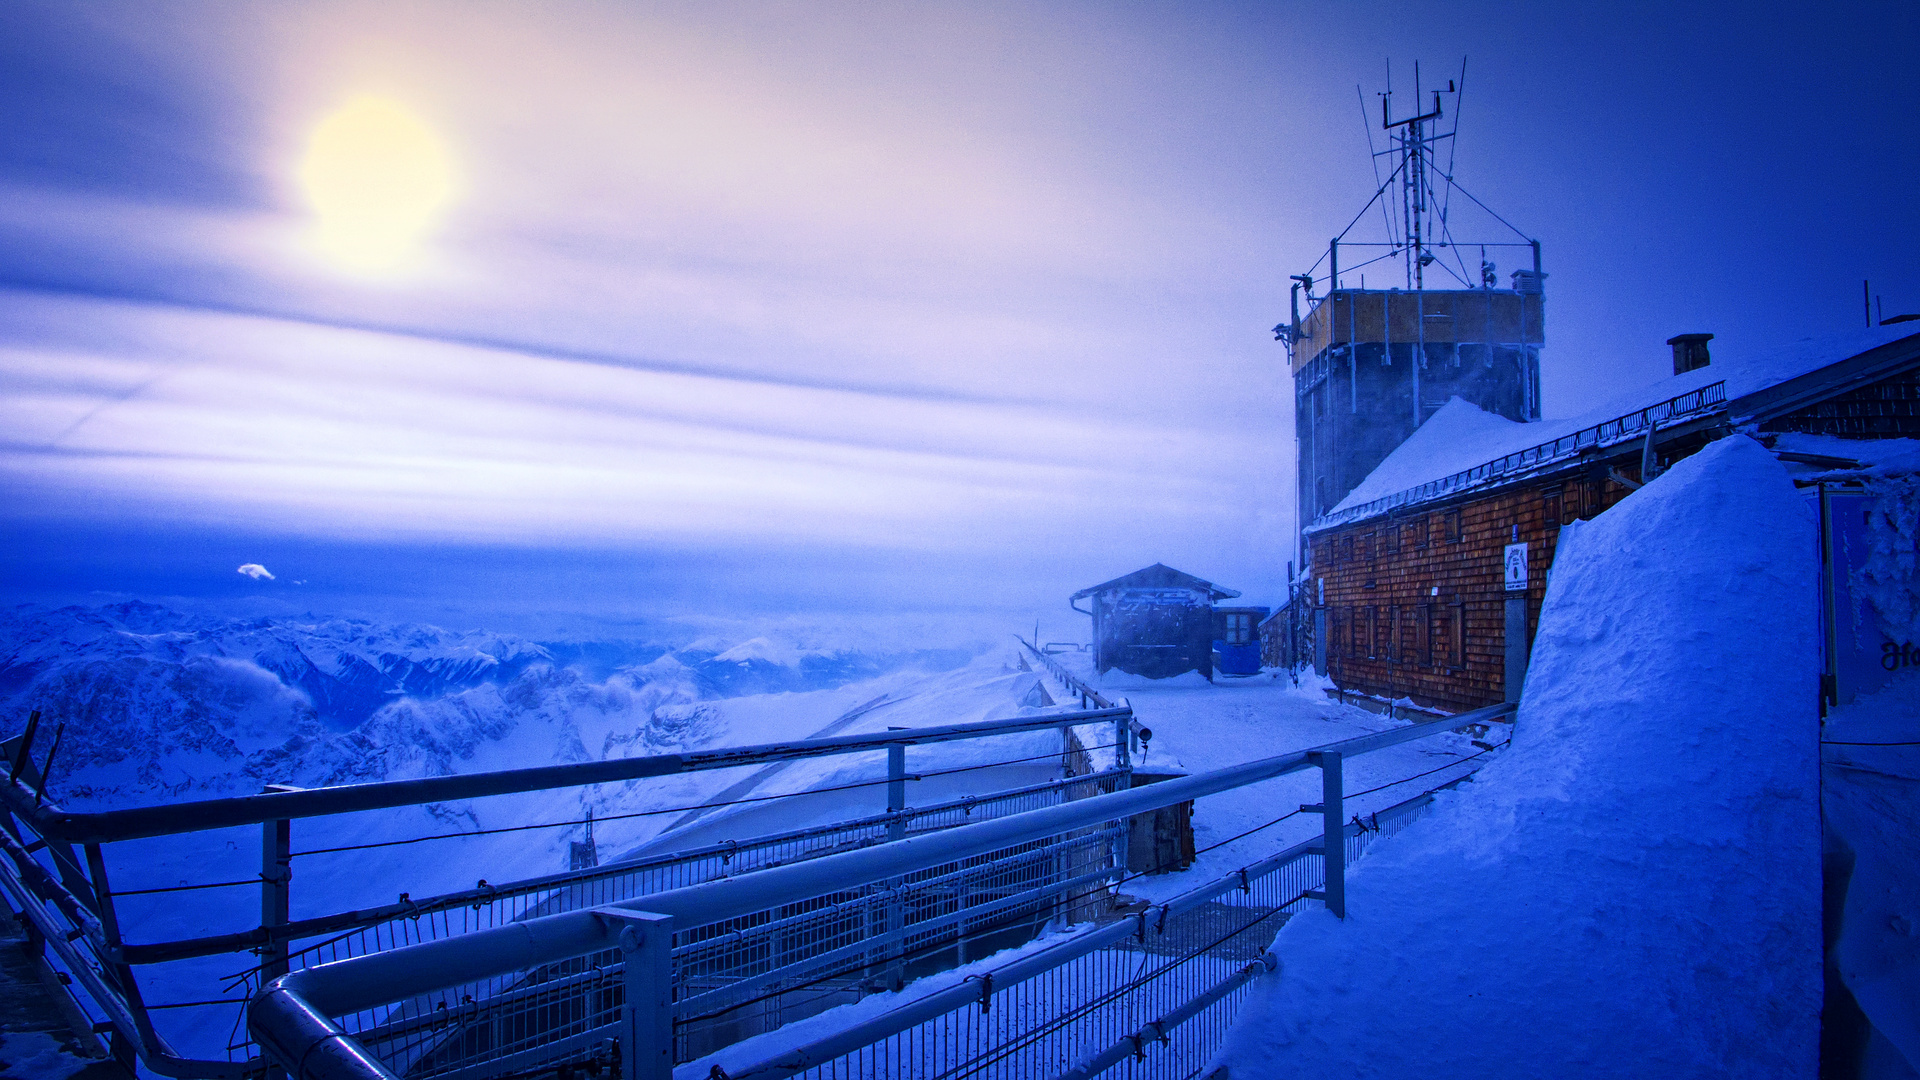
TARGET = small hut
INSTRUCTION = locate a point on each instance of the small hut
(1156, 622)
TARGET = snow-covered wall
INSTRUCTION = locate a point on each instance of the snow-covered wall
(1633, 889)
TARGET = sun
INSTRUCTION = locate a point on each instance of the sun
(379, 180)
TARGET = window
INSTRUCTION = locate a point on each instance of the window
(1419, 531)
(1346, 548)
(1357, 637)
(1457, 645)
(1239, 628)
(1451, 523)
(1376, 629)
(1366, 546)
(1393, 635)
(1423, 635)
(1550, 508)
(1390, 540)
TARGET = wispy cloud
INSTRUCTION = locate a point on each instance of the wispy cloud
(255, 571)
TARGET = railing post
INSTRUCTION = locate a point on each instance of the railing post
(276, 881)
(1123, 741)
(895, 972)
(646, 952)
(896, 789)
(1333, 832)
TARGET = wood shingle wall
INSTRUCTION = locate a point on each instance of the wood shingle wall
(1416, 602)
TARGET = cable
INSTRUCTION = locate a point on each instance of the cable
(680, 809)
(185, 888)
(1837, 742)
(1429, 772)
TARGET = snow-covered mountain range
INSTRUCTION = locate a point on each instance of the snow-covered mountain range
(160, 703)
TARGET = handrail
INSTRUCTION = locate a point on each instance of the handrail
(283, 1014)
(1068, 678)
(213, 945)
(133, 823)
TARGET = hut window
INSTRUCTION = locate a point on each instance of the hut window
(1390, 540)
(1346, 548)
(1366, 546)
(1451, 523)
(1458, 645)
(1357, 637)
(1376, 626)
(1423, 634)
(1239, 628)
(1418, 529)
(1393, 635)
(1550, 508)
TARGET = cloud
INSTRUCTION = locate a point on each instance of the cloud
(255, 571)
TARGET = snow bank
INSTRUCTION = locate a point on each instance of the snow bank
(1634, 888)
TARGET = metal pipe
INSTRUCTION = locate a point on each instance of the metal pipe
(112, 825)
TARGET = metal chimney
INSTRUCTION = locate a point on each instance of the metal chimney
(1689, 352)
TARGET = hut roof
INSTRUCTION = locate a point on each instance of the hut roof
(1460, 437)
(1158, 576)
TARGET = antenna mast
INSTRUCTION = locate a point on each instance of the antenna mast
(1414, 147)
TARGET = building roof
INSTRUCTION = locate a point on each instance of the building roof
(1462, 447)
(1157, 576)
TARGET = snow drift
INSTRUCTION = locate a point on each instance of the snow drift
(1633, 889)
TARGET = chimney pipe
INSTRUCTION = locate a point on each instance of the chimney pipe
(1689, 352)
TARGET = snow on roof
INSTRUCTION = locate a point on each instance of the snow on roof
(1463, 436)
(1458, 436)
(1158, 576)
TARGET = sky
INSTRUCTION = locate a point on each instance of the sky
(778, 308)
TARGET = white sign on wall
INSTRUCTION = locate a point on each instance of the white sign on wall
(1516, 567)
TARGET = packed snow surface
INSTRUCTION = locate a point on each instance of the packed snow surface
(1633, 888)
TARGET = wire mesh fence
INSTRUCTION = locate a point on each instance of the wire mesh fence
(1144, 994)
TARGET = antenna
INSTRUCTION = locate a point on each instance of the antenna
(1415, 149)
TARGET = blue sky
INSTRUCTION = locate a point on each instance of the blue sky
(796, 307)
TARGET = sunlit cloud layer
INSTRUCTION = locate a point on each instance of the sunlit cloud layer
(947, 281)
(214, 417)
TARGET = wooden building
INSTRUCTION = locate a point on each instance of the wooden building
(1432, 591)
(1156, 622)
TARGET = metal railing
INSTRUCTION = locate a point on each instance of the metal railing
(69, 901)
(621, 980)
(1089, 697)
(1521, 462)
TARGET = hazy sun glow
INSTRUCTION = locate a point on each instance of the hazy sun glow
(379, 180)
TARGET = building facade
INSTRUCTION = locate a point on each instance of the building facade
(1415, 594)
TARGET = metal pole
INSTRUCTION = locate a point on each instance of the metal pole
(896, 789)
(646, 949)
(124, 1045)
(276, 877)
(1333, 841)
